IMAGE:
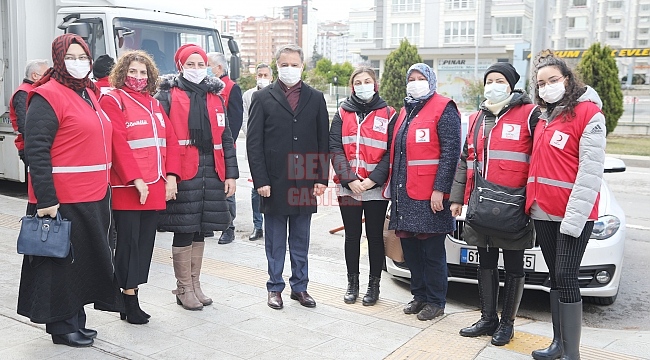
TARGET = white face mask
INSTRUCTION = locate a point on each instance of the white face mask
(78, 69)
(417, 89)
(290, 75)
(195, 75)
(496, 93)
(364, 92)
(552, 93)
(262, 83)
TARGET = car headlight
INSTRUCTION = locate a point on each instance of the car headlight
(605, 227)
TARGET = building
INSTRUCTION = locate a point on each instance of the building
(261, 37)
(306, 18)
(332, 42)
(230, 25)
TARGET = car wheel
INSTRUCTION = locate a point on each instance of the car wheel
(601, 300)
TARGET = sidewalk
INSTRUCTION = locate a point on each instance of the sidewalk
(239, 325)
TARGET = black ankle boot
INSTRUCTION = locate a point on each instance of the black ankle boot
(372, 294)
(352, 292)
(514, 289)
(488, 291)
(133, 314)
(146, 316)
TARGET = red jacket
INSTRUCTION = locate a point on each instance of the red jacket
(103, 86)
(422, 148)
(365, 143)
(81, 151)
(510, 144)
(178, 115)
(151, 151)
(225, 93)
(554, 165)
(20, 141)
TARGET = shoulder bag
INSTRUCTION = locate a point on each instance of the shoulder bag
(45, 236)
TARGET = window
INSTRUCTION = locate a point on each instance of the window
(615, 5)
(578, 22)
(614, 35)
(508, 27)
(459, 32)
(642, 43)
(575, 43)
(406, 5)
(644, 19)
(408, 31)
(579, 2)
(615, 20)
(460, 4)
(645, 7)
(643, 30)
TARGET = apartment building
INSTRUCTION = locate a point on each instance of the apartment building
(332, 42)
(261, 37)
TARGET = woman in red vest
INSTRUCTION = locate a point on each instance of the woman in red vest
(506, 122)
(359, 141)
(69, 144)
(424, 153)
(566, 170)
(144, 142)
(208, 168)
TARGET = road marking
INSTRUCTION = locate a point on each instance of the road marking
(637, 227)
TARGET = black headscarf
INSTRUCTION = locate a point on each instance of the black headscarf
(198, 119)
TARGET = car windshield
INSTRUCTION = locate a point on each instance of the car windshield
(161, 40)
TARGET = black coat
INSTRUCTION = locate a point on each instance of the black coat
(200, 204)
(288, 150)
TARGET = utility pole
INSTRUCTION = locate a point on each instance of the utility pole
(539, 38)
(477, 31)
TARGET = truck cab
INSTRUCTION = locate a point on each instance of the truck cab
(109, 27)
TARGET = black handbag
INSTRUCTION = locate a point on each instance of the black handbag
(495, 210)
(45, 236)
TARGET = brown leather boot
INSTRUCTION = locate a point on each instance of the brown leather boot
(197, 261)
(185, 296)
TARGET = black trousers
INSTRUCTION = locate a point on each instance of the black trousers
(513, 260)
(186, 239)
(563, 254)
(136, 234)
(352, 211)
(67, 326)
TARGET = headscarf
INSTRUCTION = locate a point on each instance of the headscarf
(59, 72)
(428, 73)
(198, 120)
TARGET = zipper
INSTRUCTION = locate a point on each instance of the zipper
(498, 192)
(481, 198)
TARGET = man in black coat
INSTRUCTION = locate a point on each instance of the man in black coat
(287, 144)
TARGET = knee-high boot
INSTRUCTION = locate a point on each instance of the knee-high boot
(514, 289)
(197, 262)
(571, 329)
(185, 296)
(553, 351)
(488, 292)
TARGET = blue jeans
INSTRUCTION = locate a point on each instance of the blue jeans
(257, 215)
(427, 261)
(275, 243)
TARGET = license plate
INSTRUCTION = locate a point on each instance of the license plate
(470, 256)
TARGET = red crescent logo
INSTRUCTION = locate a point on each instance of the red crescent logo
(511, 128)
(422, 134)
(560, 138)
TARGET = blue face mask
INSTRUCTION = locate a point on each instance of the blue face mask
(210, 73)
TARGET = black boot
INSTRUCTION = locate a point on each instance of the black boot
(352, 292)
(146, 316)
(514, 289)
(553, 351)
(372, 295)
(488, 292)
(133, 314)
(571, 328)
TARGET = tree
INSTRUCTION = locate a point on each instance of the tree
(393, 81)
(473, 94)
(598, 69)
(247, 81)
(325, 69)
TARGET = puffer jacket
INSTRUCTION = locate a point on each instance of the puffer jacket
(471, 236)
(200, 204)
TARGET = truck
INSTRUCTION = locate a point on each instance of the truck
(27, 28)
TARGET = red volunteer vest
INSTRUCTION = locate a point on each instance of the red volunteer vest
(20, 141)
(225, 93)
(510, 144)
(81, 151)
(178, 113)
(555, 160)
(422, 148)
(145, 134)
(365, 143)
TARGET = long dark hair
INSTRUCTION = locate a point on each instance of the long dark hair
(574, 87)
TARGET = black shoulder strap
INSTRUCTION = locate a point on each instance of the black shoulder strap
(480, 119)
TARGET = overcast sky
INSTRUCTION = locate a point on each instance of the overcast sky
(327, 9)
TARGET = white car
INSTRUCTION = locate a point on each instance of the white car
(600, 270)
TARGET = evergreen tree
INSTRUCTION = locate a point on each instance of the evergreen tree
(393, 80)
(598, 69)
